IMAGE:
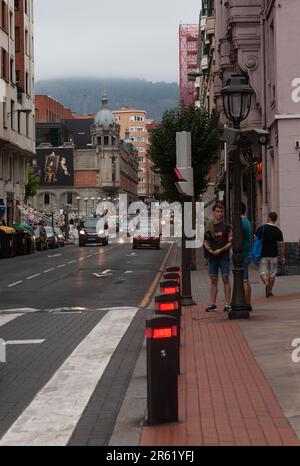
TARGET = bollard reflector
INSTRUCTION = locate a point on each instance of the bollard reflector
(164, 332)
(170, 290)
(168, 306)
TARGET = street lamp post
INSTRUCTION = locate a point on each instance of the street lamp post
(86, 204)
(237, 95)
(93, 204)
(78, 198)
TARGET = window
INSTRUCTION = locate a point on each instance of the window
(27, 124)
(12, 113)
(141, 180)
(140, 149)
(17, 5)
(136, 118)
(69, 198)
(27, 84)
(26, 7)
(106, 142)
(3, 15)
(46, 199)
(26, 42)
(11, 23)
(141, 159)
(17, 39)
(141, 190)
(4, 114)
(140, 128)
(12, 70)
(19, 122)
(4, 64)
(140, 139)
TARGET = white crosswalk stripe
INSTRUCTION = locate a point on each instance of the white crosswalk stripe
(52, 416)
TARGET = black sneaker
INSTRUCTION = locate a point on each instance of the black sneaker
(211, 308)
(227, 308)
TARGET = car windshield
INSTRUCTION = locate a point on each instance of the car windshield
(90, 223)
(58, 231)
(49, 230)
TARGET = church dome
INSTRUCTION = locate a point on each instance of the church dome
(104, 117)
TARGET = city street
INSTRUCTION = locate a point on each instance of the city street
(71, 308)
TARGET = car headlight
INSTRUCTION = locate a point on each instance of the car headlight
(101, 232)
(82, 232)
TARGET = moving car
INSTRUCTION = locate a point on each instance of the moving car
(51, 237)
(146, 238)
(60, 236)
(41, 240)
(89, 232)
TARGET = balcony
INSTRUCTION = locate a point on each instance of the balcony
(210, 26)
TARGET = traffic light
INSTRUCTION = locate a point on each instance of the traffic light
(184, 171)
(185, 180)
(256, 136)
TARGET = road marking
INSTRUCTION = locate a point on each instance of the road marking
(145, 301)
(89, 255)
(19, 310)
(33, 276)
(129, 271)
(130, 255)
(81, 259)
(96, 274)
(16, 283)
(72, 262)
(105, 271)
(52, 416)
(49, 270)
(24, 342)
(4, 319)
(55, 255)
(60, 266)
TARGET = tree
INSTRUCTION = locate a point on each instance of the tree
(205, 142)
(33, 184)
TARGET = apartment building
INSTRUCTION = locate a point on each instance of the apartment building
(259, 38)
(135, 121)
(17, 115)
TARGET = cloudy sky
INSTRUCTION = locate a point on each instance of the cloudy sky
(110, 38)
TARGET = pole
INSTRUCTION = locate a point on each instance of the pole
(186, 286)
(239, 309)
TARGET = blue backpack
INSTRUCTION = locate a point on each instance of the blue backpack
(257, 248)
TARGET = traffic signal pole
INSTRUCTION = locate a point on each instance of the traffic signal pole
(185, 185)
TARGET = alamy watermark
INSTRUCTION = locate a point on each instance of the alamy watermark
(2, 350)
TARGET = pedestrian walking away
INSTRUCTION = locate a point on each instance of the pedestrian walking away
(273, 249)
(247, 253)
(218, 242)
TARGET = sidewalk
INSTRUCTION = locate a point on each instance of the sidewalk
(238, 384)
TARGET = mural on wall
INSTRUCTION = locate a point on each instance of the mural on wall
(54, 168)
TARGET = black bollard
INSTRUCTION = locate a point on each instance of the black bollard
(162, 383)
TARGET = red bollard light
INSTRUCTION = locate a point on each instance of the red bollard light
(169, 287)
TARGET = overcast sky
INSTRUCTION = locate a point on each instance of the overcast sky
(110, 38)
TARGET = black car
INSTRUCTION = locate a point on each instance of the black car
(89, 232)
(52, 237)
(41, 240)
(60, 236)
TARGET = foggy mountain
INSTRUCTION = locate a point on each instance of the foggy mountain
(83, 95)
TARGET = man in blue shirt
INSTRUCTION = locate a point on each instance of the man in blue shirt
(247, 253)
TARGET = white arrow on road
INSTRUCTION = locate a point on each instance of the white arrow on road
(56, 255)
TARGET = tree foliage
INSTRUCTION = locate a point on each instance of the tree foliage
(205, 141)
(33, 184)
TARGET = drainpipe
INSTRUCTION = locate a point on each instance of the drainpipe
(264, 115)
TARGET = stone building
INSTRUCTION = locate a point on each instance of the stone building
(17, 123)
(100, 169)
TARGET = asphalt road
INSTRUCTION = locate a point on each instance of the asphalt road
(89, 277)
(65, 374)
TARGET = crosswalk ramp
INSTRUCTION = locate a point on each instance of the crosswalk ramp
(53, 414)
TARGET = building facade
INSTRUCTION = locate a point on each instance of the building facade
(259, 38)
(135, 121)
(49, 110)
(92, 164)
(17, 115)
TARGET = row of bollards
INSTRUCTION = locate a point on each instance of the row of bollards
(163, 342)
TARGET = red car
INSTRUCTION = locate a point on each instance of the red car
(145, 238)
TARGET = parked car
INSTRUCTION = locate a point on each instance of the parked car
(60, 236)
(89, 232)
(146, 238)
(52, 237)
(41, 239)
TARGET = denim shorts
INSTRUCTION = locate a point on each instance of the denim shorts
(246, 263)
(219, 262)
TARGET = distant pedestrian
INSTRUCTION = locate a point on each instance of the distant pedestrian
(273, 248)
(218, 242)
(247, 253)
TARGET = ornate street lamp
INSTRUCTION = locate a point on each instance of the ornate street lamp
(237, 95)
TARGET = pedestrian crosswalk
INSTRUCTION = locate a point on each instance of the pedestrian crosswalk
(53, 414)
